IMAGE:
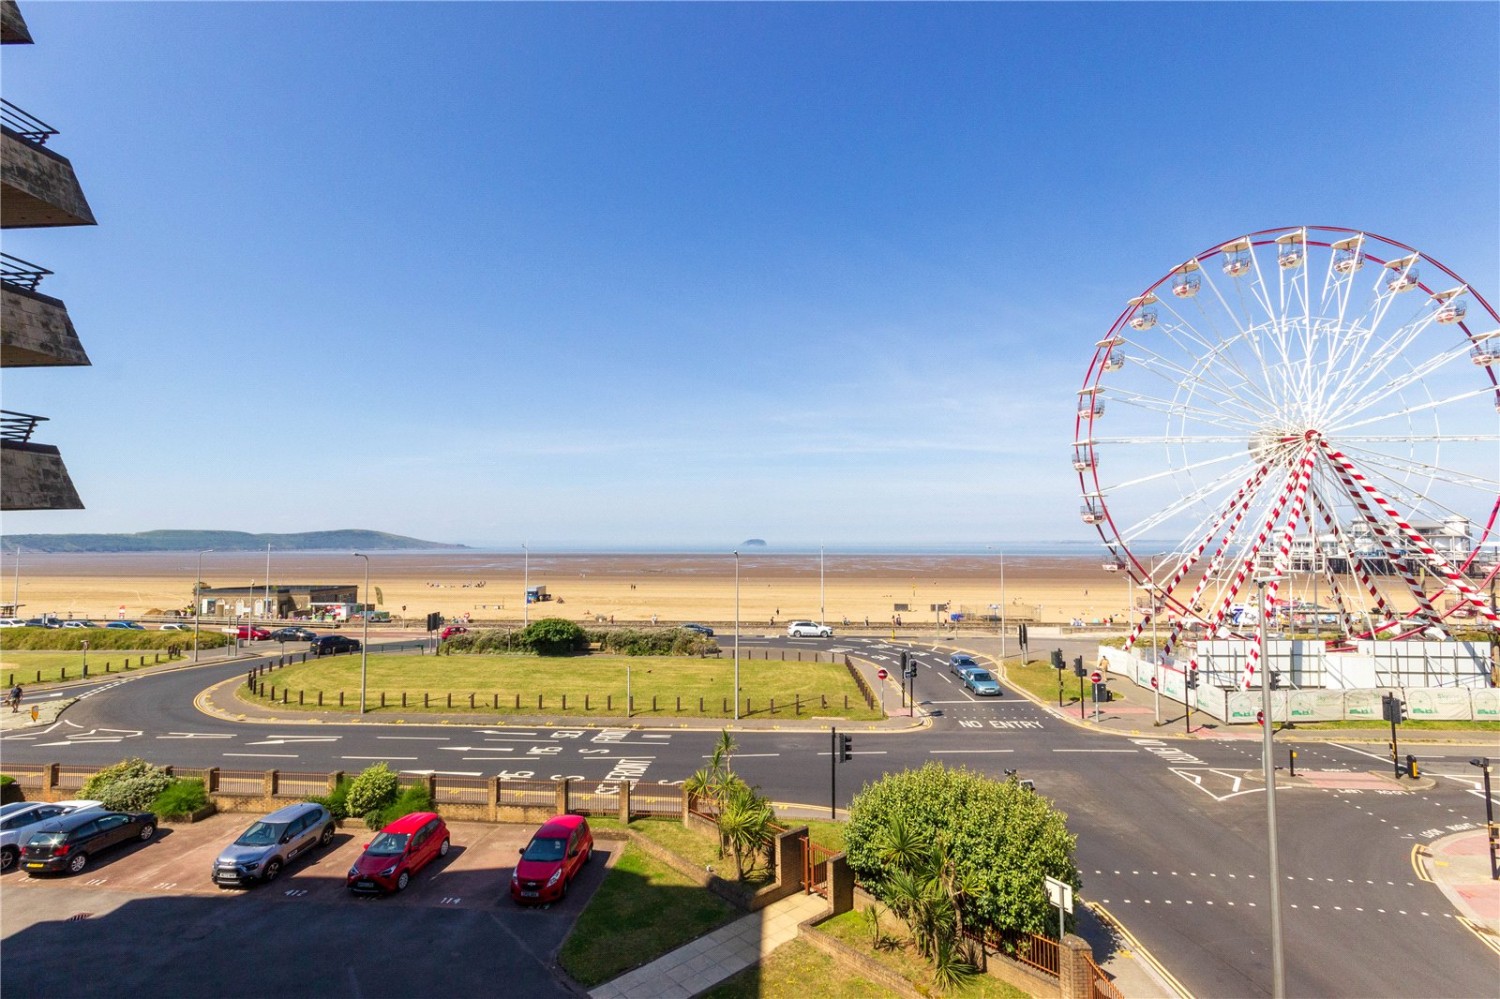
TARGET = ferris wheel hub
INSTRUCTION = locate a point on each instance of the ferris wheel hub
(1282, 446)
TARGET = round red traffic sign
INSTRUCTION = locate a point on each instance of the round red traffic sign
(882, 673)
(1096, 676)
(1260, 718)
(1153, 683)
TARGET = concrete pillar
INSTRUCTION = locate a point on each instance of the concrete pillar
(625, 801)
(333, 780)
(211, 779)
(1075, 977)
(269, 786)
(49, 782)
(840, 885)
(561, 806)
(493, 804)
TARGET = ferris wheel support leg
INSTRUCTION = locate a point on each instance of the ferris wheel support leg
(1294, 514)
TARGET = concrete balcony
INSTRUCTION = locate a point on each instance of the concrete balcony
(35, 330)
(13, 30)
(38, 188)
(33, 477)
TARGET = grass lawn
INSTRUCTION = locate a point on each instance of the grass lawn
(1406, 726)
(23, 667)
(1039, 678)
(642, 910)
(798, 969)
(852, 929)
(590, 685)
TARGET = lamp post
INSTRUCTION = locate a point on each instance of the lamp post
(1268, 767)
(17, 595)
(1483, 763)
(525, 586)
(1002, 608)
(364, 646)
(197, 600)
(821, 602)
(85, 645)
(736, 636)
(268, 579)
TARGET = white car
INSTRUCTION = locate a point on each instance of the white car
(79, 624)
(11, 622)
(175, 627)
(18, 818)
(808, 629)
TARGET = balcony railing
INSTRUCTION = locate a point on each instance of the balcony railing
(18, 427)
(27, 126)
(21, 273)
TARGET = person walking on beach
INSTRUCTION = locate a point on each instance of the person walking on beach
(15, 698)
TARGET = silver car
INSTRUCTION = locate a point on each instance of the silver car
(18, 818)
(271, 843)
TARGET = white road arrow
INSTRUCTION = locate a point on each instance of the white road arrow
(479, 749)
(282, 740)
(195, 735)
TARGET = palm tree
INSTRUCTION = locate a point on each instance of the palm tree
(745, 824)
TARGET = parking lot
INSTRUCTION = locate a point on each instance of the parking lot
(150, 915)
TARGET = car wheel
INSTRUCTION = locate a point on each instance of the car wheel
(402, 880)
(273, 868)
(77, 863)
(147, 831)
(443, 850)
(8, 858)
(327, 836)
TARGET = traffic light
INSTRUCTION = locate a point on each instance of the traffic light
(1412, 770)
(904, 660)
(846, 748)
(1078, 669)
(1392, 708)
(1057, 659)
(434, 621)
(1192, 678)
(1275, 676)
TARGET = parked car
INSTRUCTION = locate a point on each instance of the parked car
(451, 630)
(11, 622)
(43, 622)
(981, 682)
(293, 635)
(18, 818)
(400, 850)
(553, 858)
(960, 661)
(808, 629)
(66, 843)
(261, 851)
(329, 645)
(79, 624)
(701, 629)
(124, 626)
(175, 627)
(250, 633)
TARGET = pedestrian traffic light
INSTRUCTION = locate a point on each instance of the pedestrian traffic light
(846, 748)
(1057, 659)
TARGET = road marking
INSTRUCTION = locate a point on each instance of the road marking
(938, 751)
(281, 740)
(267, 756)
(1373, 756)
(737, 756)
(448, 773)
(478, 749)
(419, 738)
(379, 757)
(1096, 750)
(195, 735)
(1137, 949)
(855, 752)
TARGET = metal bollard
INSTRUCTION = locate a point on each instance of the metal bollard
(1293, 769)
(1412, 770)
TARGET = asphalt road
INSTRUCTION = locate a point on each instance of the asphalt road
(1171, 834)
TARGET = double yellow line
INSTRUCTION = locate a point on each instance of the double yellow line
(1137, 949)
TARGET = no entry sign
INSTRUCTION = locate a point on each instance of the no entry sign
(1096, 676)
(1153, 683)
(882, 673)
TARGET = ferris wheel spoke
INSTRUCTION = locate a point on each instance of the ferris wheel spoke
(1364, 397)
(1430, 405)
(1172, 472)
(1192, 499)
(1397, 465)
(1173, 372)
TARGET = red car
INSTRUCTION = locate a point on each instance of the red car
(451, 630)
(400, 850)
(553, 858)
(248, 634)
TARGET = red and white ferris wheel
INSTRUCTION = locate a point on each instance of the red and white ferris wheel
(1312, 407)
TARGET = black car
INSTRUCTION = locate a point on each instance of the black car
(67, 842)
(328, 645)
(293, 635)
(701, 629)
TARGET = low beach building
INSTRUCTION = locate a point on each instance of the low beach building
(280, 600)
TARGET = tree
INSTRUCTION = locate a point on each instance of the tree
(553, 636)
(989, 847)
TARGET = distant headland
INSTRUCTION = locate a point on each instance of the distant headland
(224, 541)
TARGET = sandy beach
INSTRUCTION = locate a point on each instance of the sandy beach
(488, 586)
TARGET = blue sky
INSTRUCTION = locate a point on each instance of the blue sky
(681, 274)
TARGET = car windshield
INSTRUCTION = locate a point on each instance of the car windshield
(980, 676)
(388, 844)
(261, 834)
(545, 849)
(48, 839)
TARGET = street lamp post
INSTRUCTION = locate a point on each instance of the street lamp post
(525, 585)
(736, 636)
(364, 646)
(1268, 767)
(1483, 763)
(822, 610)
(197, 600)
(17, 595)
(1002, 608)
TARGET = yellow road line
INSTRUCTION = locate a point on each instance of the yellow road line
(1138, 949)
(1418, 851)
(1485, 935)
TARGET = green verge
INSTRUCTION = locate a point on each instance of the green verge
(1039, 679)
(643, 910)
(594, 685)
(798, 969)
(1406, 726)
(104, 639)
(902, 957)
(24, 667)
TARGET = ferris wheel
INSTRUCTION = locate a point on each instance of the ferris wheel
(1304, 413)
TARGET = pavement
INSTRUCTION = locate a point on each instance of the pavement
(1460, 866)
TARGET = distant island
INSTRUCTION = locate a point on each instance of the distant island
(753, 543)
(224, 541)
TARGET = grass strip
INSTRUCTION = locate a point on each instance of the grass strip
(644, 909)
(798, 969)
(901, 956)
(593, 685)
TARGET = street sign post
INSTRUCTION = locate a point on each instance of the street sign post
(1060, 894)
(882, 673)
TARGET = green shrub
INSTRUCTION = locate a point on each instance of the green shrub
(415, 798)
(128, 786)
(6, 779)
(337, 800)
(181, 799)
(372, 790)
(653, 642)
(104, 639)
(553, 636)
